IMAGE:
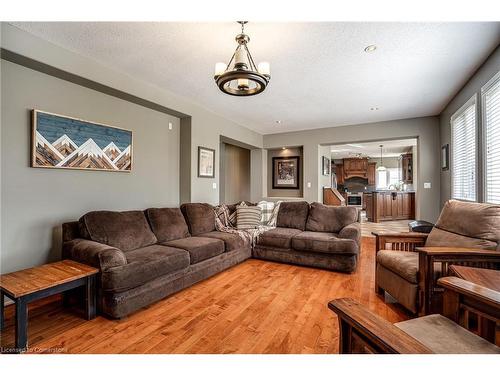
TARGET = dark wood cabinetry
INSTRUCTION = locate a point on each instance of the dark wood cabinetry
(406, 167)
(339, 172)
(356, 167)
(372, 167)
(389, 205)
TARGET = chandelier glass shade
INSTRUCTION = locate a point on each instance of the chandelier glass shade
(381, 167)
(241, 77)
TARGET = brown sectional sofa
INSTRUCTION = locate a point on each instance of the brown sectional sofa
(313, 235)
(145, 256)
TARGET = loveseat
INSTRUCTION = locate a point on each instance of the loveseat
(144, 256)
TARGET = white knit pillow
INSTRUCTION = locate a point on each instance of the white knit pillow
(248, 217)
(267, 209)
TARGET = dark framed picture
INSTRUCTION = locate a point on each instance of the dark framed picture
(445, 157)
(206, 162)
(286, 172)
(69, 143)
(325, 165)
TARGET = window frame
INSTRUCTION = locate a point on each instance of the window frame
(484, 163)
(472, 101)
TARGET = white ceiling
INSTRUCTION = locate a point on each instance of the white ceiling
(320, 74)
(372, 149)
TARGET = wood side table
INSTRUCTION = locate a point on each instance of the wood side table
(485, 278)
(35, 283)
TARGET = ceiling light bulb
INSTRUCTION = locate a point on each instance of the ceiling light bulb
(220, 68)
(370, 48)
(264, 68)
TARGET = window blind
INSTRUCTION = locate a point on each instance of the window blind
(463, 152)
(491, 118)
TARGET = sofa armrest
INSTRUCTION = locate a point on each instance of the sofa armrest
(94, 254)
(362, 331)
(351, 232)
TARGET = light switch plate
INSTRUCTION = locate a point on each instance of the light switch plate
(427, 185)
(308, 184)
(214, 185)
(169, 126)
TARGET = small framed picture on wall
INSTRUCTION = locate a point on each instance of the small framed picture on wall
(206, 162)
(445, 157)
(325, 163)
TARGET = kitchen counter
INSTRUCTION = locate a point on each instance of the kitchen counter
(383, 205)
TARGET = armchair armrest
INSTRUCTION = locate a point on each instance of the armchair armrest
(351, 232)
(401, 234)
(94, 253)
(357, 322)
(477, 292)
(458, 251)
(403, 241)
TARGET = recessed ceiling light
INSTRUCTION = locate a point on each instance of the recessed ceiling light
(374, 109)
(370, 48)
(278, 122)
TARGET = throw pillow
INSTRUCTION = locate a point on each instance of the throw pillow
(248, 217)
(274, 216)
(267, 209)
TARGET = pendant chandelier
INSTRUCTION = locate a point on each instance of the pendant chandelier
(381, 166)
(241, 77)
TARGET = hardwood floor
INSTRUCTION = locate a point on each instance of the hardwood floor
(255, 307)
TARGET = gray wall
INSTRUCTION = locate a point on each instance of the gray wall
(235, 173)
(473, 87)
(288, 193)
(426, 129)
(36, 201)
(206, 126)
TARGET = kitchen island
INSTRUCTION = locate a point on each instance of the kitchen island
(383, 205)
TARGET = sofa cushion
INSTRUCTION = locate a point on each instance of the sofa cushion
(293, 215)
(248, 217)
(143, 265)
(199, 248)
(331, 219)
(474, 220)
(444, 336)
(232, 241)
(126, 231)
(278, 237)
(167, 223)
(323, 242)
(200, 217)
(267, 209)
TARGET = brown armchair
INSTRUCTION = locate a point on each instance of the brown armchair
(361, 331)
(409, 264)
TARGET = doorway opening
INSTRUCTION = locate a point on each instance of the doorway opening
(379, 178)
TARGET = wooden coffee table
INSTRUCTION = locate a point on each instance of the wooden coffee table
(35, 283)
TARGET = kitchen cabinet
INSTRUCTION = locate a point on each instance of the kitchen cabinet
(406, 168)
(339, 172)
(355, 167)
(371, 173)
(390, 205)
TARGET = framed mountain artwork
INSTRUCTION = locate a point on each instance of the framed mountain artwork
(69, 143)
